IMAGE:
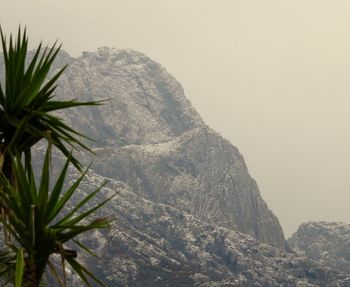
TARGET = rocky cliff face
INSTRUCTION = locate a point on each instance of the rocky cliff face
(149, 137)
(324, 242)
(154, 244)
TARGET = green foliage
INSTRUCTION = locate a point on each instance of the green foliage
(38, 221)
(19, 268)
(35, 219)
(27, 100)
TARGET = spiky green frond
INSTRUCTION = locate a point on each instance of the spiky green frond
(36, 222)
(27, 100)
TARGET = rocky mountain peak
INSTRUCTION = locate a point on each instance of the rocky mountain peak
(119, 57)
(145, 103)
(151, 138)
(325, 242)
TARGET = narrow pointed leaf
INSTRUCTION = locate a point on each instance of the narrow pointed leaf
(83, 246)
(83, 272)
(19, 268)
(85, 214)
(56, 192)
(66, 196)
(82, 203)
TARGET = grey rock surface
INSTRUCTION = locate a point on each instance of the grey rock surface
(325, 242)
(154, 244)
(151, 138)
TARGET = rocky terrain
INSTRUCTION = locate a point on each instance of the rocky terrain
(149, 137)
(153, 244)
(325, 242)
(187, 211)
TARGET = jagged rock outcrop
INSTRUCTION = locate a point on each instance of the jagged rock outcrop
(149, 137)
(325, 242)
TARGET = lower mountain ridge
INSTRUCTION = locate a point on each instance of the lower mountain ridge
(153, 244)
(324, 242)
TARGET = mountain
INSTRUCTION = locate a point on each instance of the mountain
(153, 244)
(187, 211)
(151, 138)
(324, 242)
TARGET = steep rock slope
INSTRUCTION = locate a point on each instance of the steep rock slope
(149, 136)
(146, 104)
(324, 242)
(153, 244)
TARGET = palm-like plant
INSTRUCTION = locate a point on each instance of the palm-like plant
(27, 102)
(40, 225)
(31, 214)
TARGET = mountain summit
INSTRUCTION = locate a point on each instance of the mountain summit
(151, 138)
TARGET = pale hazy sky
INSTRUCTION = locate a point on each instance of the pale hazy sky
(272, 76)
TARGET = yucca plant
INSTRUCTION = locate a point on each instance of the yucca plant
(41, 226)
(31, 216)
(27, 102)
(26, 105)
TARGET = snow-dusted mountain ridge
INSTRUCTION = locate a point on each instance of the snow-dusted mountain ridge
(324, 242)
(151, 138)
(146, 104)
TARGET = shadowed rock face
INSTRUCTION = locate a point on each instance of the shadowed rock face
(149, 137)
(324, 242)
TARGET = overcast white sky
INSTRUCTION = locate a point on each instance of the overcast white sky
(271, 76)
